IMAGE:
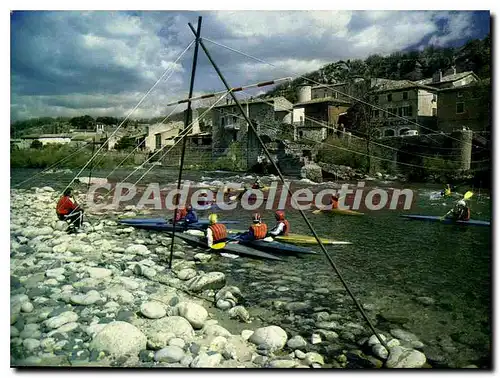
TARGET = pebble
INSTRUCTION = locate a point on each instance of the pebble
(296, 342)
(27, 307)
(153, 310)
(169, 354)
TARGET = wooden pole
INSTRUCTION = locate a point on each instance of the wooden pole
(187, 121)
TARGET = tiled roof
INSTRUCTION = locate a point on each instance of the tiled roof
(254, 101)
(323, 99)
(486, 81)
(393, 85)
(447, 78)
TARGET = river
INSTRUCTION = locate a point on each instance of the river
(391, 264)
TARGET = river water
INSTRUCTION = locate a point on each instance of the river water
(391, 263)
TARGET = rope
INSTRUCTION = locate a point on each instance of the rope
(302, 213)
(52, 166)
(182, 134)
(130, 113)
(144, 141)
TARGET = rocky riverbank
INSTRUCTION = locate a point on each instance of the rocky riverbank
(104, 298)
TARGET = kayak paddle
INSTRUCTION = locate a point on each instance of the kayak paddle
(223, 244)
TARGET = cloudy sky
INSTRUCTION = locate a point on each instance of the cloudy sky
(73, 63)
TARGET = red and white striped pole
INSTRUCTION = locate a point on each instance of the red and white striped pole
(263, 84)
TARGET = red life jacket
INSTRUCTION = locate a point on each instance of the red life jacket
(259, 230)
(65, 206)
(219, 232)
(181, 214)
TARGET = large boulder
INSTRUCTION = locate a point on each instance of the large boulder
(119, 339)
(212, 280)
(193, 313)
(312, 172)
(406, 358)
(160, 331)
(273, 337)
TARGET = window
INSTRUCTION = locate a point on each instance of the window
(157, 141)
(434, 97)
(234, 120)
(405, 95)
(460, 107)
(389, 132)
(389, 97)
(375, 114)
(406, 111)
(222, 121)
(400, 112)
(375, 99)
(460, 94)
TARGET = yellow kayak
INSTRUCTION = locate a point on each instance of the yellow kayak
(338, 212)
(306, 239)
(299, 239)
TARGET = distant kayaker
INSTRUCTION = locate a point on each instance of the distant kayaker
(68, 210)
(257, 184)
(180, 215)
(216, 232)
(257, 230)
(282, 226)
(191, 216)
(446, 191)
(335, 202)
(461, 211)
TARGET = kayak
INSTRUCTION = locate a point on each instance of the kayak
(161, 224)
(299, 239)
(306, 239)
(269, 245)
(432, 218)
(233, 248)
(341, 212)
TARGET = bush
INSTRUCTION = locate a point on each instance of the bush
(36, 144)
(339, 152)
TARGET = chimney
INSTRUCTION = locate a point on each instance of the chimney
(437, 77)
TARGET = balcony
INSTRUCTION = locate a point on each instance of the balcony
(310, 123)
(232, 126)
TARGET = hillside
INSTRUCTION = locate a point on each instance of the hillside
(475, 56)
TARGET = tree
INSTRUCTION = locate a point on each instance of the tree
(124, 143)
(85, 122)
(36, 144)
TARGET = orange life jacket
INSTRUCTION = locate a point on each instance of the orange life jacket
(65, 206)
(335, 203)
(259, 230)
(219, 232)
(181, 214)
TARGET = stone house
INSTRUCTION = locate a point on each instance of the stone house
(467, 106)
(450, 79)
(228, 125)
(317, 112)
(406, 103)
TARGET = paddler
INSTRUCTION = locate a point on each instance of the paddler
(335, 201)
(191, 216)
(257, 184)
(67, 209)
(216, 232)
(282, 226)
(257, 230)
(461, 212)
